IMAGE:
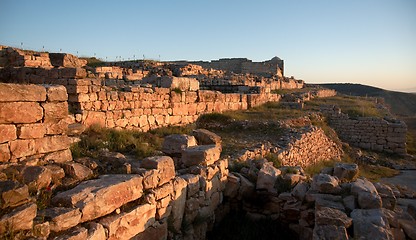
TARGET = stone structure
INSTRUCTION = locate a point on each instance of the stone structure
(378, 134)
(33, 123)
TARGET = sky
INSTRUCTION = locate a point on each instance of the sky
(371, 42)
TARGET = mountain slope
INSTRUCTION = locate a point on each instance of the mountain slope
(401, 104)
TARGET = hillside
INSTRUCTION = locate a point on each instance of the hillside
(401, 104)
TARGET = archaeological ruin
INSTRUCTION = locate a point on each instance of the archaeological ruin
(48, 99)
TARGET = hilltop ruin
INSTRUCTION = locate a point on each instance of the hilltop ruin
(48, 99)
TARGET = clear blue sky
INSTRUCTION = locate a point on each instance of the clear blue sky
(361, 41)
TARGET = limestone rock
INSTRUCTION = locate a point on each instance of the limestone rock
(201, 155)
(267, 177)
(232, 186)
(76, 233)
(325, 183)
(96, 231)
(7, 132)
(163, 164)
(345, 171)
(37, 177)
(193, 184)
(367, 194)
(178, 204)
(387, 196)
(330, 216)
(329, 232)
(158, 231)
(20, 218)
(127, 225)
(20, 112)
(205, 137)
(370, 224)
(246, 187)
(13, 194)
(299, 191)
(409, 227)
(174, 144)
(56, 93)
(349, 202)
(21, 93)
(60, 218)
(41, 230)
(98, 197)
(76, 170)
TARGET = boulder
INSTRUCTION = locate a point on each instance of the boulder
(20, 218)
(370, 224)
(37, 177)
(61, 218)
(329, 232)
(163, 164)
(345, 171)
(367, 194)
(325, 183)
(205, 137)
(201, 155)
(76, 170)
(331, 216)
(409, 227)
(13, 194)
(232, 186)
(267, 177)
(174, 144)
(299, 191)
(178, 204)
(99, 197)
(387, 196)
(96, 231)
(76, 233)
(128, 224)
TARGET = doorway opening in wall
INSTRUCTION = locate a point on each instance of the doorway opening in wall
(239, 226)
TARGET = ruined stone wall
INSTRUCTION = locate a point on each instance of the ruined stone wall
(307, 146)
(378, 134)
(33, 123)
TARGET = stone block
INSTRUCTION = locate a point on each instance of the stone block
(4, 152)
(163, 164)
(76, 170)
(329, 232)
(127, 225)
(36, 177)
(330, 216)
(370, 224)
(56, 93)
(325, 183)
(205, 137)
(93, 118)
(162, 191)
(178, 204)
(13, 194)
(55, 111)
(76, 233)
(96, 231)
(345, 171)
(174, 144)
(51, 144)
(61, 218)
(29, 131)
(267, 177)
(20, 218)
(59, 156)
(20, 112)
(7, 132)
(99, 197)
(21, 148)
(21, 93)
(158, 231)
(201, 155)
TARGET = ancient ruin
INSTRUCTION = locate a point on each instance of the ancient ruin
(48, 99)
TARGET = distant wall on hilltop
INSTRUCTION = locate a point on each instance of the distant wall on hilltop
(377, 134)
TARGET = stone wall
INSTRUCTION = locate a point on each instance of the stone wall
(378, 134)
(125, 197)
(33, 123)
